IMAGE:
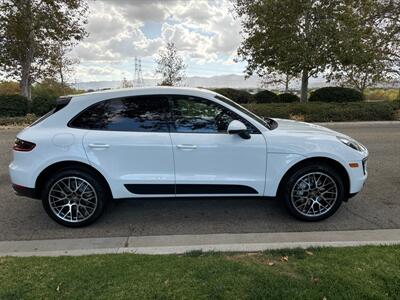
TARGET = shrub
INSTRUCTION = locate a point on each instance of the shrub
(287, 98)
(265, 97)
(52, 89)
(381, 94)
(238, 96)
(9, 88)
(336, 94)
(13, 105)
(41, 105)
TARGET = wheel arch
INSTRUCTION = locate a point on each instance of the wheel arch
(69, 164)
(319, 159)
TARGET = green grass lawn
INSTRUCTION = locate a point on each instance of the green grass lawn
(331, 273)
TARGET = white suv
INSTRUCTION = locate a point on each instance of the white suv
(179, 142)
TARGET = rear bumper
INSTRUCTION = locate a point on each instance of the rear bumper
(21, 174)
(25, 191)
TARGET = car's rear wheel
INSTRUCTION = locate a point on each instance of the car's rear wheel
(314, 192)
(74, 198)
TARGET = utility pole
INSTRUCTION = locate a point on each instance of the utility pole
(138, 76)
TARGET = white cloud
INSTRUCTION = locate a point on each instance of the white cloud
(203, 32)
(213, 20)
(142, 10)
(191, 43)
(93, 73)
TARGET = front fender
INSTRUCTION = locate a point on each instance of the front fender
(277, 166)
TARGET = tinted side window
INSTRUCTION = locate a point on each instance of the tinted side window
(195, 115)
(141, 113)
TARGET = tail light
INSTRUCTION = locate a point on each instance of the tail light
(24, 146)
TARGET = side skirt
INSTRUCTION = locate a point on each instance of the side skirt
(189, 189)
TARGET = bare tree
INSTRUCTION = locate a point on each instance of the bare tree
(64, 64)
(125, 83)
(274, 78)
(170, 65)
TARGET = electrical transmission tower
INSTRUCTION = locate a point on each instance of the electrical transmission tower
(138, 77)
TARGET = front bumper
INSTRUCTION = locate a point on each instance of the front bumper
(358, 177)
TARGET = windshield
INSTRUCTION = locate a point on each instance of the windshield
(268, 123)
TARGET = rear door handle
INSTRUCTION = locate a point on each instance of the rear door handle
(186, 147)
(99, 146)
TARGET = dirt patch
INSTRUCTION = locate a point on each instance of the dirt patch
(13, 127)
(300, 118)
(254, 257)
(280, 265)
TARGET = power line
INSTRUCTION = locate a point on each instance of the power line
(138, 76)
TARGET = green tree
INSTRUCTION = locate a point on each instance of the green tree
(356, 41)
(170, 65)
(31, 32)
(367, 47)
(286, 36)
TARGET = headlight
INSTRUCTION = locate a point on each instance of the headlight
(351, 143)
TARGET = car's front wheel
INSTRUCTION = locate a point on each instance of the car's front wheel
(74, 198)
(314, 192)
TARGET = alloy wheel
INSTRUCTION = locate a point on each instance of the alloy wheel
(73, 199)
(314, 194)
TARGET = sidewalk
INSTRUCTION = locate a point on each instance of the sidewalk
(177, 244)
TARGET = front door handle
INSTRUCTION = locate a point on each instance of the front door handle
(99, 146)
(186, 147)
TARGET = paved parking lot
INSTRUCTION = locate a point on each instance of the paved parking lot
(377, 207)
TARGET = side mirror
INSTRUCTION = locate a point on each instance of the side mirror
(237, 127)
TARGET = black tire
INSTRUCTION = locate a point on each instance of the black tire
(294, 177)
(100, 191)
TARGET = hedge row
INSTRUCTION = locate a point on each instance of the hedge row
(243, 97)
(329, 112)
(18, 106)
(13, 106)
(239, 96)
(309, 112)
(41, 105)
(336, 94)
(326, 94)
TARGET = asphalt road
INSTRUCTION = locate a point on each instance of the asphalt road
(376, 207)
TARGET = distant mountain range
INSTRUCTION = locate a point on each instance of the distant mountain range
(228, 81)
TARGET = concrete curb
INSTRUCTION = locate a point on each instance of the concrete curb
(178, 244)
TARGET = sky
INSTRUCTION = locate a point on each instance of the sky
(205, 33)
